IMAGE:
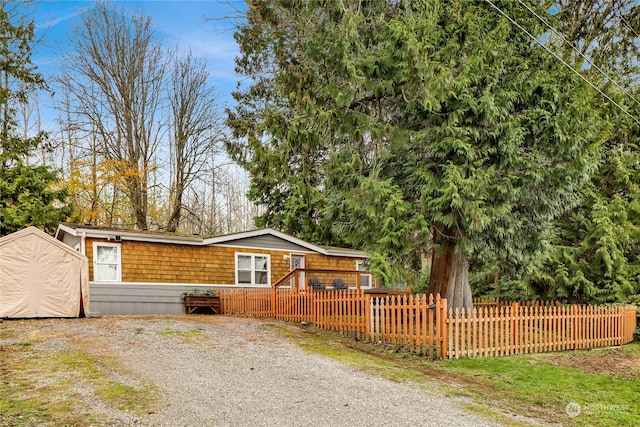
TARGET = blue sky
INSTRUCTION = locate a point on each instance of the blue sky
(198, 24)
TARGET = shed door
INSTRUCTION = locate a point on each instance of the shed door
(298, 261)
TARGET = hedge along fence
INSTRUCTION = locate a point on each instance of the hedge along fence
(424, 324)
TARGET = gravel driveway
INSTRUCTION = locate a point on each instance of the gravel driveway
(226, 371)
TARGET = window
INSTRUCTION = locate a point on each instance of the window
(365, 279)
(252, 269)
(107, 263)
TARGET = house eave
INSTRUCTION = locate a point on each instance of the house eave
(127, 235)
(266, 231)
(346, 253)
(120, 235)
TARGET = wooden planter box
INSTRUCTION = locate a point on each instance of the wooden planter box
(204, 303)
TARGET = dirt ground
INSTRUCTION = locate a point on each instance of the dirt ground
(612, 361)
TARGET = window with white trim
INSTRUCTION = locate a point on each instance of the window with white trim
(107, 262)
(365, 279)
(253, 269)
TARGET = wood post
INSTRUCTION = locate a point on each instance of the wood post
(441, 325)
(514, 325)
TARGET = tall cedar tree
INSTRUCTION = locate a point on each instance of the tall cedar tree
(29, 194)
(401, 127)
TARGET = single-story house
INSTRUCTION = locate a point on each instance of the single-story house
(144, 272)
(41, 277)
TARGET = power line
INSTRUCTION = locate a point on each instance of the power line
(626, 24)
(578, 51)
(563, 61)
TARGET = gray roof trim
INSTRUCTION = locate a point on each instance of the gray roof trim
(199, 241)
(265, 231)
(350, 253)
(294, 240)
(127, 235)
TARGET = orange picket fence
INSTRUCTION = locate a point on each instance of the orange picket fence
(248, 302)
(414, 322)
(423, 323)
(536, 328)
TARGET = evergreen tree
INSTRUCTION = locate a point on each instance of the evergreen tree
(594, 252)
(29, 194)
(411, 129)
(285, 159)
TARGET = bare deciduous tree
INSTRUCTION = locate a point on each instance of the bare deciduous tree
(114, 74)
(195, 128)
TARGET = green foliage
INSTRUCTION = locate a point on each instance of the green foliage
(595, 253)
(285, 178)
(539, 384)
(29, 194)
(198, 292)
(593, 256)
(17, 71)
(378, 124)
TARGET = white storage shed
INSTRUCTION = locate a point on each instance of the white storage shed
(41, 277)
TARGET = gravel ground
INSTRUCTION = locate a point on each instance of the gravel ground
(225, 371)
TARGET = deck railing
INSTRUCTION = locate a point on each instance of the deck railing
(319, 279)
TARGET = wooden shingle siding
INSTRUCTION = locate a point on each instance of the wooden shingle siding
(172, 263)
(319, 261)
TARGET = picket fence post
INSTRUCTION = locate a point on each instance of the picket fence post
(441, 325)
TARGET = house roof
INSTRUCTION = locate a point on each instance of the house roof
(117, 234)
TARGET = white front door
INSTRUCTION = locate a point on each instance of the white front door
(298, 261)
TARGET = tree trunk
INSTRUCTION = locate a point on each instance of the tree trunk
(174, 219)
(450, 269)
(136, 196)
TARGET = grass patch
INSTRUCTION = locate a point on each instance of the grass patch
(490, 413)
(127, 398)
(53, 385)
(6, 333)
(27, 400)
(538, 386)
(18, 413)
(96, 370)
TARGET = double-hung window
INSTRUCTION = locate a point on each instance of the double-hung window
(107, 262)
(253, 269)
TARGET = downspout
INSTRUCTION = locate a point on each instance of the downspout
(82, 243)
(85, 307)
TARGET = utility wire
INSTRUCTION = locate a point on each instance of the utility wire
(563, 62)
(578, 51)
(626, 24)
